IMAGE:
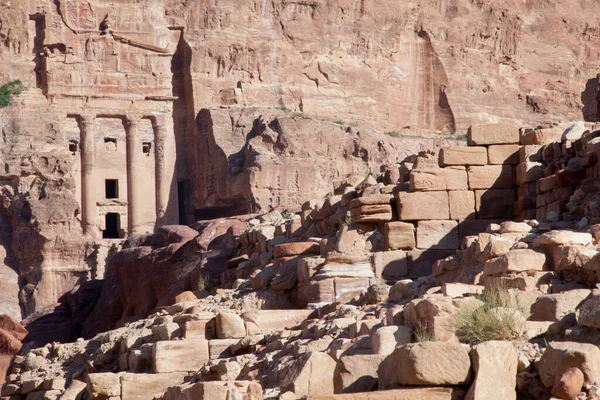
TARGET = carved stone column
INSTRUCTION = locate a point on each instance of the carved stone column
(166, 186)
(136, 176)
(89, 212)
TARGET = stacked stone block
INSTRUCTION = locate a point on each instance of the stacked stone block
(550, 170)
(472, 187)
(390, 232)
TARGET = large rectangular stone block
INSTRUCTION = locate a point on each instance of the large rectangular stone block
(322, 291)
(399, 235)
(420, 262)
(406, 393)
(180, 355)
(495, 203)
(541, 136)
(390, 264)
(437, 235)
(532, 153)
(265, 321)
(546, 184)
(529, 172)
(462, 204)
(148, 386)
(221, 348)
(423, 205)
(490, 177)
(483, 134)
(434, 179)
(503, 154)
(464, 155)
(347, 289)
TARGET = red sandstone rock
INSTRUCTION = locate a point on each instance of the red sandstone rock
(569, 385)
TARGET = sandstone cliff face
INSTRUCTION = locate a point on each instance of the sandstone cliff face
(270, 102)
(44, 254)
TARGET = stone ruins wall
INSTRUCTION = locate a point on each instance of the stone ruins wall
(413, 221)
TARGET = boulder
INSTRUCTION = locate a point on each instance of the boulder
(588, 313)
(569, 385)
(103, 385)
(386, 338)
(230, 326)
(560, 356)
(357, 373)
(561, 238)
(569, 257)
(517, 260)
(310, 374)
(495, 367)
(295, 249)
(553, 307)
(425, 364)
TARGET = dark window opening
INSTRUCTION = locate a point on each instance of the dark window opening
(110, 144)
(112, 226)
(181, 193)
(146, 147)
(111, 188)
(73, 146)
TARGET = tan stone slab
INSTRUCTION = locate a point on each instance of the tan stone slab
(179, 355)
(482, 134)
(437, 234)
(529, 172)
(399, 235)
(264, 321)
(390, 264)
(541, 136)
(425, 364)
(531, 153)
(148, 386)
(434, 179)
(503, 154)
(100, 385)
(495, 365)
(322, 291)
(546, 184)
(495, 203)
(518, 260)
(411, 393)
(347, 289)
(464, 155)
(294, 249)
(462, 204)
(490, 177)
(423, 205)
(221, 348)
